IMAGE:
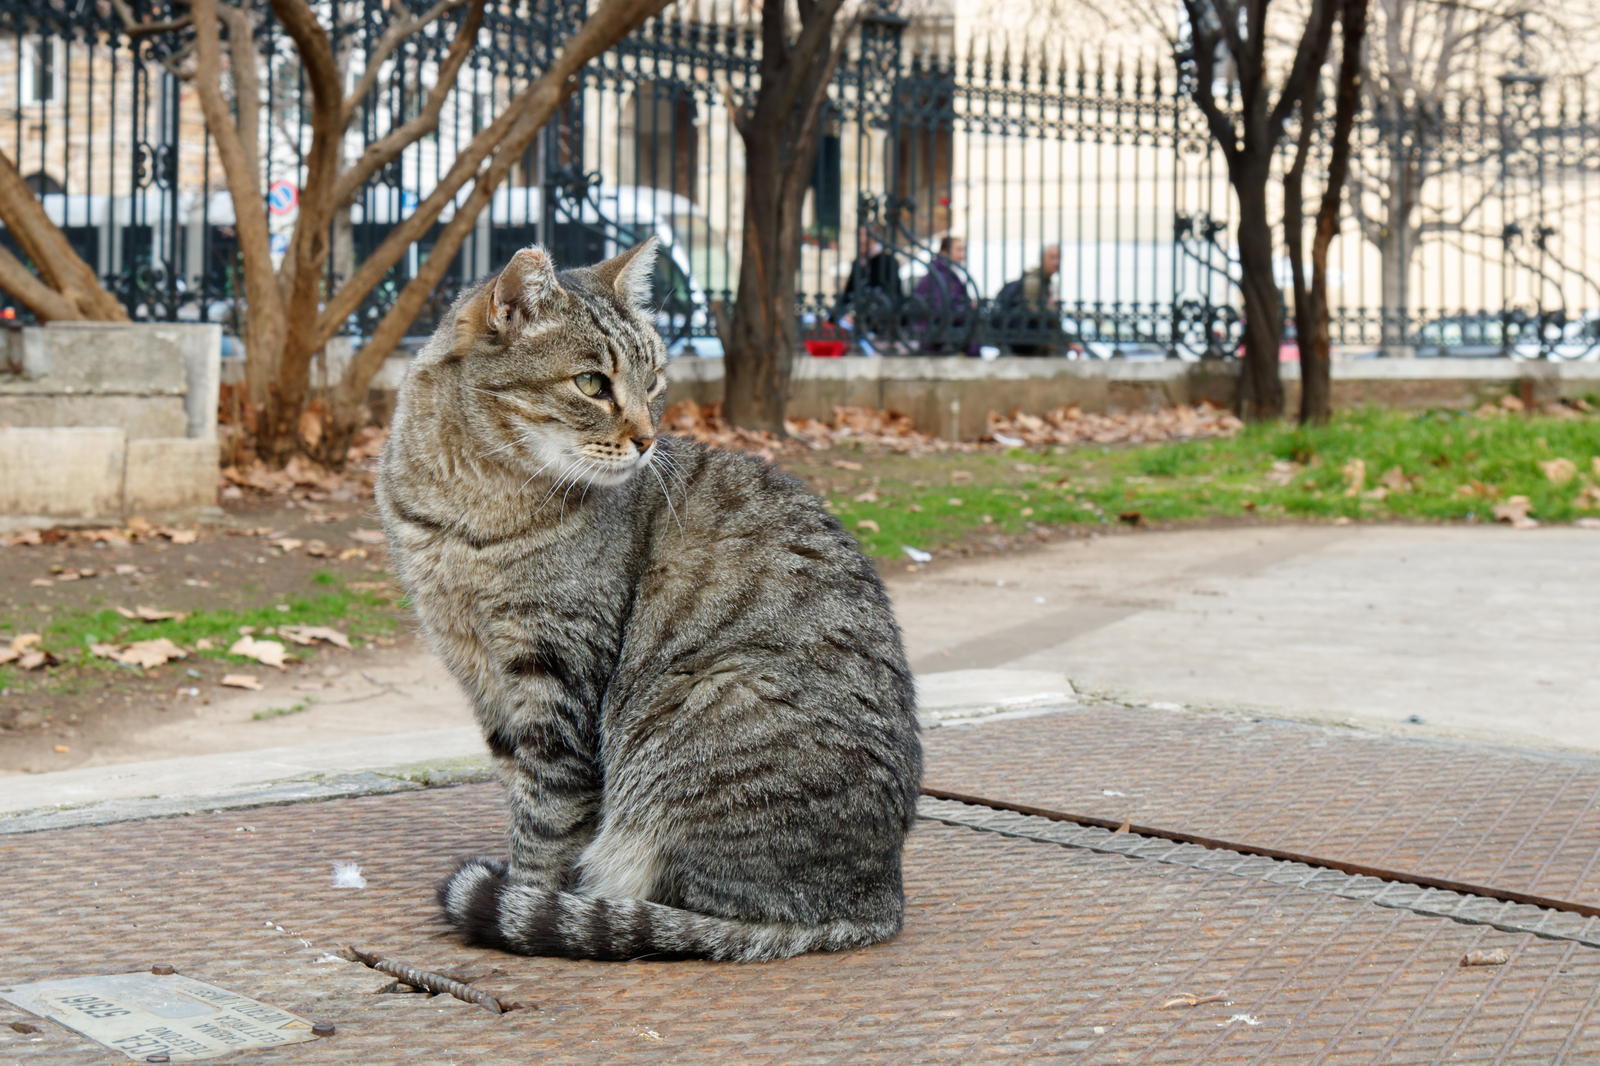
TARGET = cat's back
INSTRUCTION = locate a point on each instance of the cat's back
(748, 578)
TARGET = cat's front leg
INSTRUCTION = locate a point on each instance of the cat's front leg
(553, 789)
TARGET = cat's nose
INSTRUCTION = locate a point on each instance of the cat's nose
(643, 443)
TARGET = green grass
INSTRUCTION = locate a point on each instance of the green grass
(69, 635)
(1436, 453)
(280, 712)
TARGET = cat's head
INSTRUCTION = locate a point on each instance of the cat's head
(561, 374)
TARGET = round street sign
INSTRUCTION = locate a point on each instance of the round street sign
(282, 198)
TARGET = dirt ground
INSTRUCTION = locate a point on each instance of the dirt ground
(85, 708)
(85, 713)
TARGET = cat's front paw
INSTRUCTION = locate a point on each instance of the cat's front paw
(470, 898)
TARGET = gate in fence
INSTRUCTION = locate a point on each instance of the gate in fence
(965, 199)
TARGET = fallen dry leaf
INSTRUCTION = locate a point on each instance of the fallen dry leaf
(23, 642)
(62, 749)
(318, 549)
(368, 536)
(204, 644)
(1125, 827)
(1515, 511)
(867, 497)
(1355, 477)
(148, 653)
(103, 651)
(241, 681)
(1559, 471)
(845, 464)
(150, 614)
(1395, 480)
(41, 583)
(27, 536)
(352, 553)
(310, 634)
(1069, 425)
(869, 525)
(287, 544)
(32, 660)
(1497, 957)
(125, 569)
(179, 536)
(266, 652)
(7, 656)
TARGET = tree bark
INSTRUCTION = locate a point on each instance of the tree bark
(1260, 384)
(78, 293)
(1294, 223)
(1316, 358)
(780, 146)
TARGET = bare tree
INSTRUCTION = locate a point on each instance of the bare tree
(294, 310)
(1311, 303)
(1247, 127)
(779, 132)
(1418, 53)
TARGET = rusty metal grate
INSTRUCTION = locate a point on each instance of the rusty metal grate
(1462, 812)
(1014, 951)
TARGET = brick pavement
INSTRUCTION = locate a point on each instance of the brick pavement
(1014, 951)
(1464, 812)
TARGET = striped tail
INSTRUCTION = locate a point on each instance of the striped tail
(491, 911)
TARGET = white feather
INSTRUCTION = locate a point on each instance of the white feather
(348, 875)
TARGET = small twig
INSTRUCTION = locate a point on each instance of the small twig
(431, 982)
(1189, 999)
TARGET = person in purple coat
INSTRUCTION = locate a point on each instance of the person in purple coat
(944, 290)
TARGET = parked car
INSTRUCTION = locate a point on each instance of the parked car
(1515, 334)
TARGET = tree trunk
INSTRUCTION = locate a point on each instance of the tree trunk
(780, 145)
(764, 331)
(1316, 358)
(1294, 238)
(1260, 386)
(1395, 250)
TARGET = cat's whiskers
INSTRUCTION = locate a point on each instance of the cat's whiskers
(667, 495)
(588, 463)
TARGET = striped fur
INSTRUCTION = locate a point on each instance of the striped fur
(687, 672)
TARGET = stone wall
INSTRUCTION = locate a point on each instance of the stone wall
(104, 421)
(952, 397)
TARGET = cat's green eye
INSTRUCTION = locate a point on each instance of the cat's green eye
(591, 384)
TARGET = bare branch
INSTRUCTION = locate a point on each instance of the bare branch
(1308, 60)
(506, 138)
(134, 27)
(44, 302)
(736, 110)
(60, 267)
(392, 39)
(381, 151)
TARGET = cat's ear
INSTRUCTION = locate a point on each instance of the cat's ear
(630, 273)
(527, 287)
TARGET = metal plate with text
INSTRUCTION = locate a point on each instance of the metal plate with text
(144, 1015)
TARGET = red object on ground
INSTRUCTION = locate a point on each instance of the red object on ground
(825, 349)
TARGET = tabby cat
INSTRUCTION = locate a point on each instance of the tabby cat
(688, 674)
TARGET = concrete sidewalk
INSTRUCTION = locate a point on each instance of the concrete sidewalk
(1486, 633)
(346, 765)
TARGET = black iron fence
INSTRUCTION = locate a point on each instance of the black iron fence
(964, 200)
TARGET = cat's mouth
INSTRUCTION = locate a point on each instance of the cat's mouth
(603, 464)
